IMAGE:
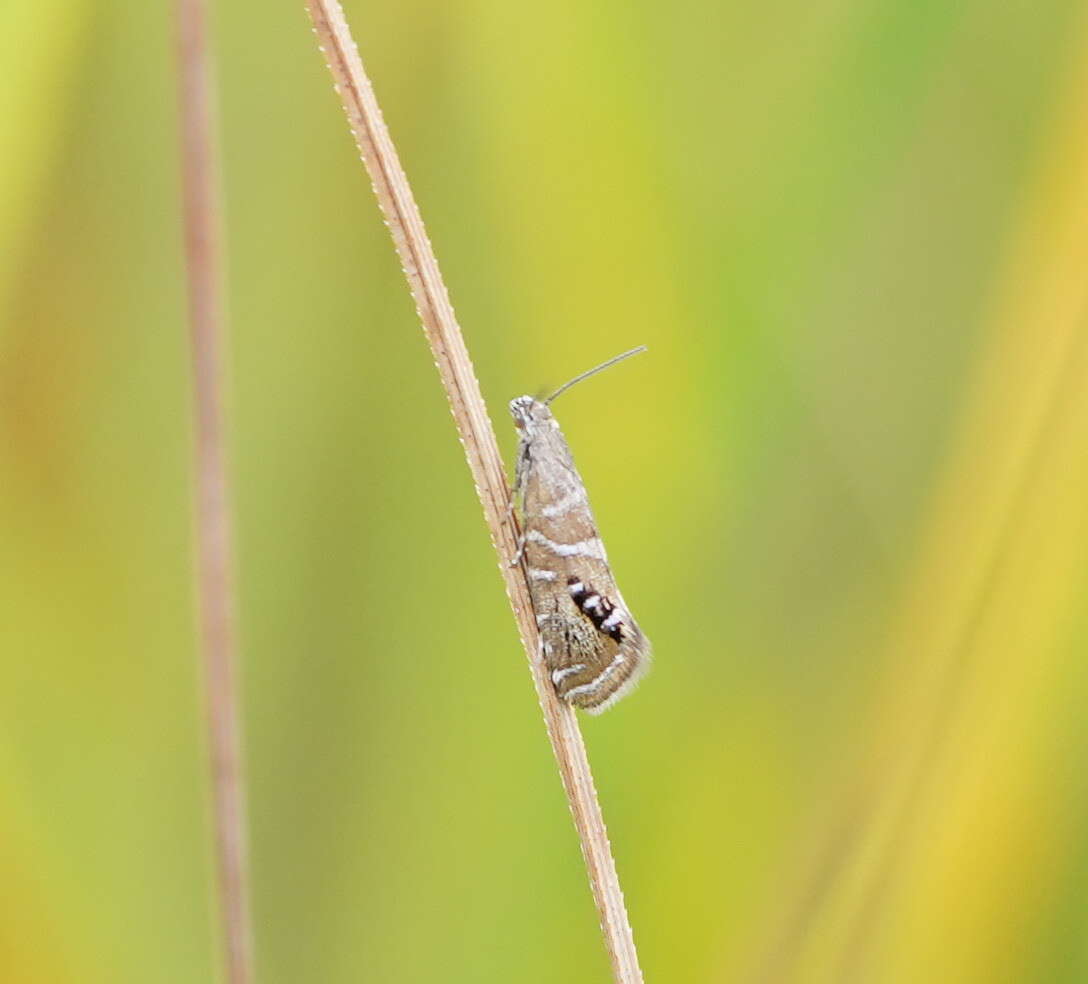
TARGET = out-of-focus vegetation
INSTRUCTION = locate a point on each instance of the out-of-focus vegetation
(845, 492)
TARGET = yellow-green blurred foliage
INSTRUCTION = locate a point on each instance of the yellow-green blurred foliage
(845, 491)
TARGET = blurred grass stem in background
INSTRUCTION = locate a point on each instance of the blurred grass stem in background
(966, 650)
(474, 428)
(203, 222)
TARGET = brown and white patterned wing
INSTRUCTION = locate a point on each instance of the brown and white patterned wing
(591, 644)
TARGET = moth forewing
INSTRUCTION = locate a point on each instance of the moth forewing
(590, 643)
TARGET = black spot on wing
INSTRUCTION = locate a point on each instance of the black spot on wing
(596, 607)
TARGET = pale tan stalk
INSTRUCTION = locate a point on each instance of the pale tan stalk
(202, 216)
(474, 427)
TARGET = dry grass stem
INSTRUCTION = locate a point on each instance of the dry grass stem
(478, 438)
(202, 217)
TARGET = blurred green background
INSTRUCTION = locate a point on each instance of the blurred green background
(845, 492)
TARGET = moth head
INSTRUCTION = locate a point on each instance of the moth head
(529, 413)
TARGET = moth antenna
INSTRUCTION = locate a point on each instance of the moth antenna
(596, 369)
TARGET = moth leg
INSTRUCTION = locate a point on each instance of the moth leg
(521, 474)
(519, 553)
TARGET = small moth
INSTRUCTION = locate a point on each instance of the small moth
(593, 648)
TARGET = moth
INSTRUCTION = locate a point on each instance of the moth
(590, 643)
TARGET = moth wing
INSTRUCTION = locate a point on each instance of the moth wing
(606, 652)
